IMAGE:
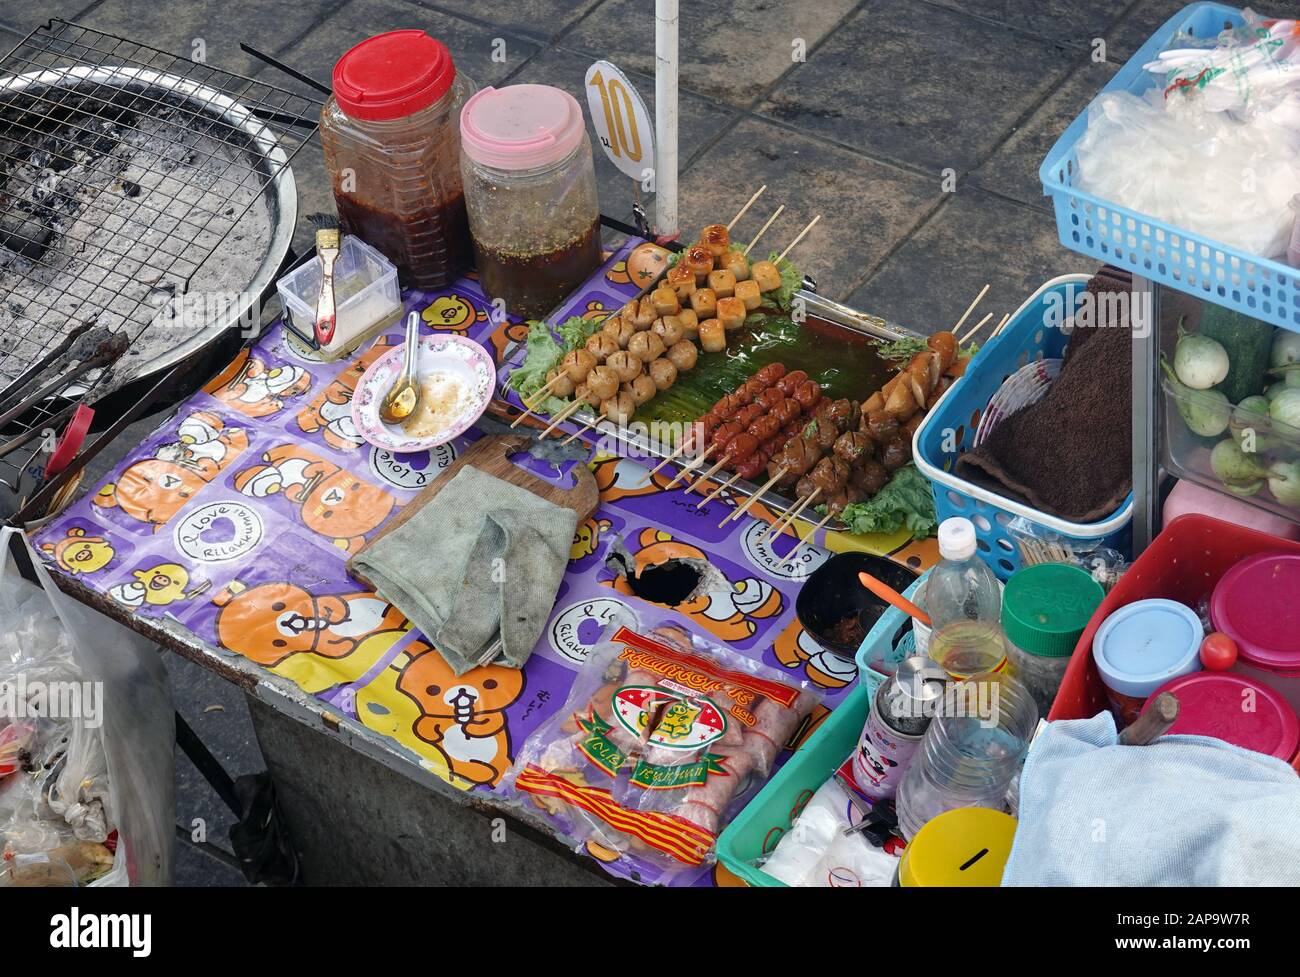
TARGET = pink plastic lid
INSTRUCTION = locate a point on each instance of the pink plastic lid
(1235, 709)
(1257, 605)
(521, 127)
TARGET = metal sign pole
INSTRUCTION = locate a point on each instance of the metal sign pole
(666, 117)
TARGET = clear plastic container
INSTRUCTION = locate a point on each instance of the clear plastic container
(530, 190)
(366, 296)
(391, 136)
(971, 751)
(964, 600)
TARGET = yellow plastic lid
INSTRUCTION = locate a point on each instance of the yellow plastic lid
(965, 847)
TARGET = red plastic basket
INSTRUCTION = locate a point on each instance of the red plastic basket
(1183, 563)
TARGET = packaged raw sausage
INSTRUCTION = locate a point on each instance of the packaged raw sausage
(661, 741)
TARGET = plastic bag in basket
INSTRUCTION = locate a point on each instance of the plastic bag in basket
(661, 740)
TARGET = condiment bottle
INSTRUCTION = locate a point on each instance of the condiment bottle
(964, 601)
(1045, 608)
(391, 136)
(901, 710)
(530, 189)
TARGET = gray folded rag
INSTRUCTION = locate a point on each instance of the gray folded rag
(483, 559)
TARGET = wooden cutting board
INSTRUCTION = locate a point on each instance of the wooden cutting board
(490, 454)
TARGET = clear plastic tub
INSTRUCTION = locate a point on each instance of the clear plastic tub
(366, 296)
(971, 751)
(1188, 454)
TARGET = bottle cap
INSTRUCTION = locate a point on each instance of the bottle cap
(392, 75)
(1046, 607)
(956, 539)
(521, 127)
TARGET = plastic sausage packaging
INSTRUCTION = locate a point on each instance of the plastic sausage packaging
(662, 740)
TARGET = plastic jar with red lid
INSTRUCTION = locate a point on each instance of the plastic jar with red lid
(391, 135)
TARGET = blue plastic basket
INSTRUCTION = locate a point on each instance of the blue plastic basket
(1190, 262)
(755, 831)
(949, 430)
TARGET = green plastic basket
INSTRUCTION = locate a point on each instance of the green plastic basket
(755, 831)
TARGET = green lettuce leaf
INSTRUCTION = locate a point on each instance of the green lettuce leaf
(543, 355)
(905, 500)
(575, 331)
(791, 280)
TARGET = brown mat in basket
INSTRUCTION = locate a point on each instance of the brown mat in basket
(1070, 454)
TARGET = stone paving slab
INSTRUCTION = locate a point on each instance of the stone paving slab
(865, 206)
(731, 50)
(1136, 27)
(22, 16)
(540, 19)
(926, 86)
(1069, 22)
(699, 120)
(973, 240)
(1013, 168)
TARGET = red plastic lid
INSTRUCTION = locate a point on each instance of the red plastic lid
(391, 75)
(1235, 709)
(1257, 605)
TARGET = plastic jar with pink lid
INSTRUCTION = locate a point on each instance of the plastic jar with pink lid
(1237, 710)
(1257, 604)
(391, 136)
(530, 190)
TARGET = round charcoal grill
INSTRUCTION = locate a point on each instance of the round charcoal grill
(143, 196)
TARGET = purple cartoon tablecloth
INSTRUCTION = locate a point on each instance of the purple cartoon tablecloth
(236, 517)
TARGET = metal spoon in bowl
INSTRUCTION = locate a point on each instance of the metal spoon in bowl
(404, 395)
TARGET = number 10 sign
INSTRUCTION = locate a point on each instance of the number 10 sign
(622, 122)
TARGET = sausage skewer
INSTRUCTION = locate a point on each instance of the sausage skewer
(779, 474)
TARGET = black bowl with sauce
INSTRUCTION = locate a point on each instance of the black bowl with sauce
(834, 607)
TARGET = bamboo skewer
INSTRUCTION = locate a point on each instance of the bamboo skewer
(685, 470)
(799, 237)
(587, 425)
(717, 491)
(680, 450)
(808, 535)
(560, 418)
(788, 519)
(749, 203)
(974, 329)
(707, 475)
(780, 474)
(1001, 325)
(969, 309)
(763, 230)
(536, 398)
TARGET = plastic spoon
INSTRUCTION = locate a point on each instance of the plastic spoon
(892, 596)
(401, 400)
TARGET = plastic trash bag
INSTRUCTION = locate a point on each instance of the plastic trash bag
(1228, 180)
(88, 797)
(662, 739)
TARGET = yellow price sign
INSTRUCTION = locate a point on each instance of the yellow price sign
(622, 123)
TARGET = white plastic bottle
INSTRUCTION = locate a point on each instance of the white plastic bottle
(964, 602)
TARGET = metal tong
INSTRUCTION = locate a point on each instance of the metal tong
(90, 349)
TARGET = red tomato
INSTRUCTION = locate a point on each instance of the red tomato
(1218, 652)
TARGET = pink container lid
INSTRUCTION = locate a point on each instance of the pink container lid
(1213, 704)
(1257, 605)
(521, 127)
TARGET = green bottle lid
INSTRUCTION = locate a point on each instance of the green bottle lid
(1046, 607)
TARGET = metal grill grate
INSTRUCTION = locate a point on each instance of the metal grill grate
(123, 170)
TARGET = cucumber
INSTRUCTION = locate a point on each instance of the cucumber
(1248, 342)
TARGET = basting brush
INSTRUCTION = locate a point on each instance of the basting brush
(327, 251)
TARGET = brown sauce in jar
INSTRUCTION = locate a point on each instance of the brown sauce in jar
(430, 247)
(532, 284)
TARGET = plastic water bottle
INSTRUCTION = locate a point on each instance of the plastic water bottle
(964, 602)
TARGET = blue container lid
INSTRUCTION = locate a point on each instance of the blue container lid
(1144, 644)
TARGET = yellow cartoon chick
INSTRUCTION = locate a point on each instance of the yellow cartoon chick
(452, 312)
(78, 553)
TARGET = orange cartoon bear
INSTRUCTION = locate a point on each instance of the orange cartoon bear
(464, 716)
(154, 489)
(795, 649)
(247, 386)
(331, 500)
(78, 553)
(728, 611)
(621, 478)
(331, 411)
